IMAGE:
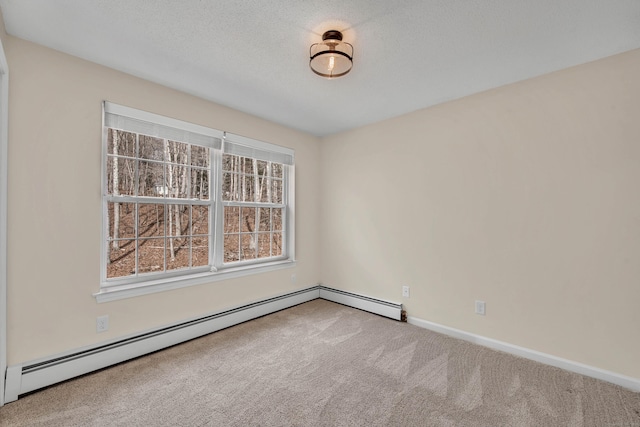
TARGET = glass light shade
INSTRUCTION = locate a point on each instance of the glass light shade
(331, 58)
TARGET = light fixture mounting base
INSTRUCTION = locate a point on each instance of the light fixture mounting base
(332, 35)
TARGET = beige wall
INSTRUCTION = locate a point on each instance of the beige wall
(55, 206)
(526, 197)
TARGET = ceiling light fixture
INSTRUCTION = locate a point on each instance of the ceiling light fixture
(332, 58)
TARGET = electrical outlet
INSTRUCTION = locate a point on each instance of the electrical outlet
(102, 323)
(293, 279)
(405, 292)
(481, 308)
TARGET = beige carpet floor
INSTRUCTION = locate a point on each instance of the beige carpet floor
(323, 364)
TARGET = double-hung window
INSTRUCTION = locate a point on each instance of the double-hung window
(185, 204)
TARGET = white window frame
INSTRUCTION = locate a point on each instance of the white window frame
(142, 122)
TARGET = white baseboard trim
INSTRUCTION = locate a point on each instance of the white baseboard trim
(32, 376)
(372, 305)
(537, 356)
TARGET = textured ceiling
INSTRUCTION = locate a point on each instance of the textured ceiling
(253, 55)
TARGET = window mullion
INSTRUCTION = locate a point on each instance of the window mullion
(189, 172)
(256, 213)
(216, 211)
(155, 200)
(136, 238)
(270, 232)
(167, 208)
(136, 208)
(253, 204)
(190, 235)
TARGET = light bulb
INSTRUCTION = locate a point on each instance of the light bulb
(331, 63)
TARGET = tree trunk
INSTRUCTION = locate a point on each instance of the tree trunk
(168, 186)
(116, 192)
(269, 182)
(257, 191)
(235, 177)
(244, 182)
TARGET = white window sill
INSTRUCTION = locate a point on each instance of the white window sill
(113, 293)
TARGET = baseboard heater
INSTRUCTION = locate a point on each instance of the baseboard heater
(373, 305)
(21, 379)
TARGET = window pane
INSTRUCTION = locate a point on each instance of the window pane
(122, 172)
(177, 253)
(200, 219)
(200, 156)
(185, 219)
(231, 248)
(247, 165)
(264, 245)
(200, 251)
(126, 143)
(200, 184)
(262, 168)
(246, 188)
(276, 191)
(276, 244)
(121, 258)
(230, 163)
(178, 220)
(265, 219)
(151, 179)
(248, 216)
(266, 187)
(121, 220)
(277, 219)
(178, 152)
(231, 219)
(248, 246)
(150, 255)
(151, 148)
(151, 220)
(276, 170)
(230, 187)
(177, 181)
(261, 189)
